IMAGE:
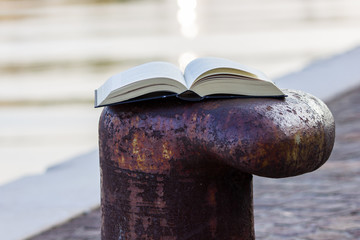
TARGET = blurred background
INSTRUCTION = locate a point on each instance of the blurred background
(55, 53)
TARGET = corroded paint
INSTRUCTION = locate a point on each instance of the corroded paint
(182, 170)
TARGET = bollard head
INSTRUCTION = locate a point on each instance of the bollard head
(262, 136)
(182, 170)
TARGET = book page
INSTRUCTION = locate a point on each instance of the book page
(203, 67)
(151, 70)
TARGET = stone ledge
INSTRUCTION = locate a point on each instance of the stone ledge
(35, 203)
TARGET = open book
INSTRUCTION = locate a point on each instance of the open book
(202, 78)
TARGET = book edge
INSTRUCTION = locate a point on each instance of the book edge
(194, 99)
(96, 100)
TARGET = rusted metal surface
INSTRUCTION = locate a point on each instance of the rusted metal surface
(182, 170)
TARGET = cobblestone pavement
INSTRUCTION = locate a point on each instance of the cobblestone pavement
(323, 205)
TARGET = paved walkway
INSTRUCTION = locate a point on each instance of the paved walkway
(324, 205)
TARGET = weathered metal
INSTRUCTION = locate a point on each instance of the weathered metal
(183, 170)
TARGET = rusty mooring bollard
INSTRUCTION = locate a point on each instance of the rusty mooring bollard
(183, 170)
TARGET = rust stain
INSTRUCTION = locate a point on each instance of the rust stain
(167, 153)
(265, 163)
(213, 226)
(212, 196)
(211, 199)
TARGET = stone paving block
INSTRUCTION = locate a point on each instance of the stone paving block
(344, 223)
(329, 235)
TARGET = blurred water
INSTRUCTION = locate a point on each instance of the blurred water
(54, 53)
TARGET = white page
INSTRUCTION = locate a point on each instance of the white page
(201, 65)
(151, 70)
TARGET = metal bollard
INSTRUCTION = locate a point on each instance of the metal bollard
(183, 170)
